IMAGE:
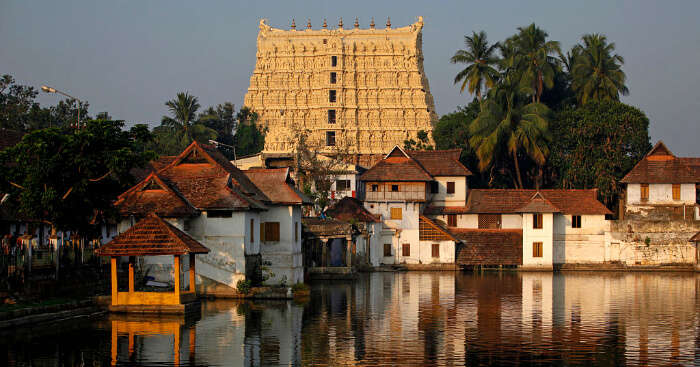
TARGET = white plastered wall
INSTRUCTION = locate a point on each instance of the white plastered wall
(660, 194)
(543, 235)
(580, 245)
(284, 256)
(458, 198)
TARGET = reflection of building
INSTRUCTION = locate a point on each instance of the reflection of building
(363, 87)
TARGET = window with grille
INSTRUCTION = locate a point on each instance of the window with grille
(342, 185)
(575, 221)
(396, 213)
(644, 192)
(395, 188)
(330, 138)
(537, 249)
(331, 96)
(331, 116)
(489, 221)
(434, 187)
(452, 220)
(375, 188)
(334, 61)
(676, 190)
(387, 249)
(450, 187)
(537, 221)
(334, 77)
(406, 250)
(436, 250)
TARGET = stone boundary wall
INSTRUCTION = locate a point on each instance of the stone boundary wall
(641, 241)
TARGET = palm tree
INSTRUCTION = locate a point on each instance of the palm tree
(480, 59)
(535, 60)
(184, 113)
(597, 72)
(507, 125)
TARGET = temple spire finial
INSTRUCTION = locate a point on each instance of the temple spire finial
(371, 24)
(388, 22)
(308, 23)
(357, 23)
(340, 23)
(325, 25)
(294, 25)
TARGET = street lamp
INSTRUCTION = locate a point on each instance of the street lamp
(54, 90)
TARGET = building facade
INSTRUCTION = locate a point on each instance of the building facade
(362, 89)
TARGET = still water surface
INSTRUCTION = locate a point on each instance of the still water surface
(404, 319)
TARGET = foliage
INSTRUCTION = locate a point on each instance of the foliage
(249, 138)
(300, 287)
(480, 59)
(597, 73)
(69, 177)
(596, 144)
(534, 60)
(423, 142)
(221, 119)
(243, 286)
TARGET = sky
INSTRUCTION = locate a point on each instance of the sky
(129, 57)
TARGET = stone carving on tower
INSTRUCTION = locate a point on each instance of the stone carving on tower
(364, 88)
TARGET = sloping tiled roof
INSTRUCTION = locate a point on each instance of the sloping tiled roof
(538, 204)
(326, 227)
(199, 176)
(489, 246)
(152, 195)
(396, 169)
(149, 237)
(437, 226)
(661, 166)
(349, 208)
(152, 166)
(440, 162)
(275, 184)
(503, 201)
(695, 238)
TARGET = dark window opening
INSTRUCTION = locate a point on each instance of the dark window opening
(537, 221)
(330, 138)
(342, 185)
(219, 213)
(450, 187)
(331, 116)
(406, 249)
(434, 187)
(387, 249)
(375, 188)
(333, 77)
(575, 221)
(395, 188)
(334, 61)
(331, 96)
(452, 220)
(436, 250)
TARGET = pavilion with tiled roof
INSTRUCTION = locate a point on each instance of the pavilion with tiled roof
(152, 236)
(661, 166)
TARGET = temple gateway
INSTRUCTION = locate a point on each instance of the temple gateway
(362, 90)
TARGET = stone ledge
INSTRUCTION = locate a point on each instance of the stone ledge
(52, 316)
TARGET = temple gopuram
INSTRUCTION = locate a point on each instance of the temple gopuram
(361, 90)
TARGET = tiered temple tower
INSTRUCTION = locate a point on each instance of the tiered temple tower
(364, 89)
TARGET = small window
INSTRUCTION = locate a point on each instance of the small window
(676, 188)
(334, 77)
(395, 188)
(396, 213)
(575, 221)
(334, 61)
(434, 187)
(330, 138)
(342, 185)
(406, 250)
(375, 188)
(325, 41)
(450, 187)
(296, 231)
(331, 116)
(331, 96)
(219, 213)
(452, 220)
(252, 230)
(272, 231)
(644, 192)
(387, 249)
(537, 249)
(537, 221)
(436, 250)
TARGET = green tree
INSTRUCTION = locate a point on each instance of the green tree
(223, 120)
(249, 138)
(481, 60)
(16, 101)
(423, 142)
(69, 177)
(597, 72)
(184, 113)
(596, 144)
(507, 124)
(534, 59)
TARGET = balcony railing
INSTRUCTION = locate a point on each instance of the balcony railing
(395, 195)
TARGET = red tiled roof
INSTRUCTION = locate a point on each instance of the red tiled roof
(152, 236)
(578, 202)
(275, 184)
(489, 246)
(695, 238)
(396, 169)
(538, 204)
(441, 210)
(152, 166)
(439, 226)
(440, 162)
(152, 195)
(349, 208)
(661, 166)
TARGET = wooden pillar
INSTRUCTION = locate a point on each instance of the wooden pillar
(176, 272)
(348, 251)
(131, 345)
(131, 274)
(176, 348)
(114, 341)
(324, 252)
(192, 273)
(113, 267)
(193, 342)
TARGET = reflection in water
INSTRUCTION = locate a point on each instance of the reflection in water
(439, 318)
